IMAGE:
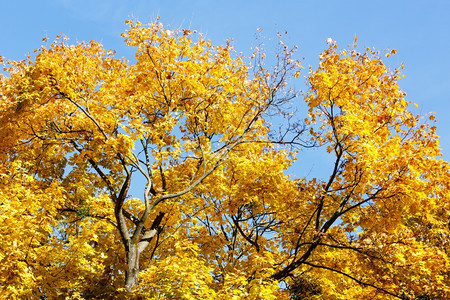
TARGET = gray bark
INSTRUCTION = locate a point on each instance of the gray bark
(131, 275)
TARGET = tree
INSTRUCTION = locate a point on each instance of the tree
(187, 125)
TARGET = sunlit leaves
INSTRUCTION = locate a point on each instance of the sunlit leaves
(214, 213)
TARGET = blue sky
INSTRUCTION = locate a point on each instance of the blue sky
(419, 30)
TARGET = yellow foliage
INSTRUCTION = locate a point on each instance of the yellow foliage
(163, 178)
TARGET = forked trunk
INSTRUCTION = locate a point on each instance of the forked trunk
(134, 251)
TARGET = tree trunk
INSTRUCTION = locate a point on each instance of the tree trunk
(134, 251)
(131, 275)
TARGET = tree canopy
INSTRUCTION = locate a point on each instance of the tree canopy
(206, 140)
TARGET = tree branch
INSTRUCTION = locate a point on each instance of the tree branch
(354, 279)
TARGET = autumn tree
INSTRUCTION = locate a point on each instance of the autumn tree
(163, 177)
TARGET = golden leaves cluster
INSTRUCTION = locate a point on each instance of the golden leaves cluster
(188, 120)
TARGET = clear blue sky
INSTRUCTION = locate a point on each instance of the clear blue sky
(419, 30)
